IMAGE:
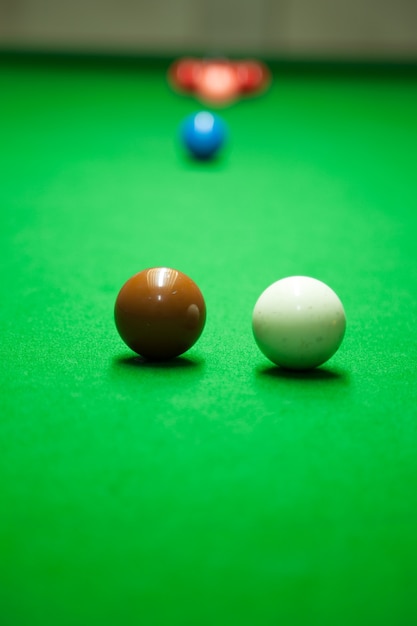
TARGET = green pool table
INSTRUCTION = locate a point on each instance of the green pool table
(215, 489)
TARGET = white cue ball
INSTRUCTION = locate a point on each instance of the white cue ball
(298, 322)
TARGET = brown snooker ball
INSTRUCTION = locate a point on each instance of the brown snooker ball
(160, 313)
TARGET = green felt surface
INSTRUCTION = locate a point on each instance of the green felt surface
(217, 489)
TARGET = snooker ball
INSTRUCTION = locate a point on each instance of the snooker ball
(160, 313)
(252, 76)
(184, 73)
(298, 322)
(217, 83)
(203, 134)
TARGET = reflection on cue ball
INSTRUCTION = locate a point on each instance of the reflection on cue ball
(298, 322)
(160, 313)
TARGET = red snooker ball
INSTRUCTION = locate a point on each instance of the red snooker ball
(217, 83)
(183, 74)
(252, 76)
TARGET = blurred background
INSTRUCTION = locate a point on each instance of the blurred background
(292, 28)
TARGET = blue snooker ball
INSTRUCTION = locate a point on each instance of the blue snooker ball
(203, 134)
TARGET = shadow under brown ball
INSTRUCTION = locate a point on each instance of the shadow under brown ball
(160, 313)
